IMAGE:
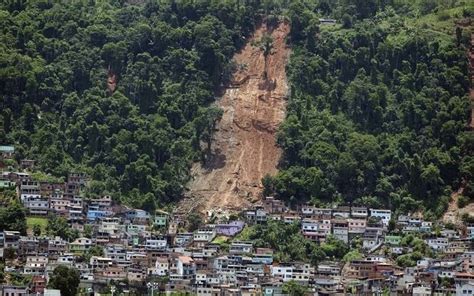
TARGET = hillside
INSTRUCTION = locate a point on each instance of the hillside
(200, 101)
(379, 108)
(119, 91)
(243, 147)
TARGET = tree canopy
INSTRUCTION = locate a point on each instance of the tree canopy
(66, 279)
(377, 111)
(117, 90)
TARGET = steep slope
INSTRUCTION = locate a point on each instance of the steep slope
(454, 213)
(244, 148)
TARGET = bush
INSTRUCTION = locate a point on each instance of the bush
(427, 6)
(467, 218)
(346, 21)
(463, 201)
(405, 261)
(443, 16)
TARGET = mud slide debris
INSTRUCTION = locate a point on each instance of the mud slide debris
(244, 148)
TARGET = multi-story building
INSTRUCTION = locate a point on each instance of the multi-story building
(382, 214)
(340, 230)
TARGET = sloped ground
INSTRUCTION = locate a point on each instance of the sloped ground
(244, 148)
(454, 213)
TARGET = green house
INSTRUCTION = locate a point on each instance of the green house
(6, 184)
(161, 218)
(7, 151)
(393, 240)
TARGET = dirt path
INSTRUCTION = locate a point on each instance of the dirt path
(244, 148)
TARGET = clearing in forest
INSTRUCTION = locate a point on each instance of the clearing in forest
(243, 147)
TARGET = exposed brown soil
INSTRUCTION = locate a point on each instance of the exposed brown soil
(111, 81)
(454, 213)
(244, 148)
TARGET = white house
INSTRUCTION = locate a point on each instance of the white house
(285, 273)
(465, 289)
(470, 231)
(202, 236)
(310, 225)
(421, 291)
(359, 212)
(185, 266)
(438, 244)
(241, 248)
(161, 267)
(384, 215)
(35, 264)
(156, 244)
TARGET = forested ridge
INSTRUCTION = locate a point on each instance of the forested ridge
(378, 108)
(168, 60)
(376, 115)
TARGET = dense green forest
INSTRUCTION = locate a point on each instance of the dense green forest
(168, 59)
(377, 112)
(378, 107)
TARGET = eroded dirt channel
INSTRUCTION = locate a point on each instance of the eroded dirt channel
(244, 148)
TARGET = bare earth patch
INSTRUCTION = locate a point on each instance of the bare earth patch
(243, 147)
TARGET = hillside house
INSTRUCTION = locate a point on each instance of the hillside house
(393, 240)
(59, 205)
(38, 284)
(340, 230)
(97, 262)
(183, 239)
(310, 229)
(341, 212)
(80, 245)
(161, 218)
(7, 152)
(27, 164)
(229, 229)
(35, 265)
(37, 206)
(11, 239)
(240, 248)
(263, 256)
(383, 215)
(138, 216)
(161, 267)
(185, 267)
(28, 246)
(117, 253)
(29, 190)
(203, 236)
(290, 218)
(94, 212)
(7, 184)
(470, 231)
(438, 243)
(359, 212)
(156, 244)
(273, 206)
(356, 227)
(77, 178)
(11, 290)
(256, 216)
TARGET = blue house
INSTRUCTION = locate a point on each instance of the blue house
(137, 214)
(93, 213)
